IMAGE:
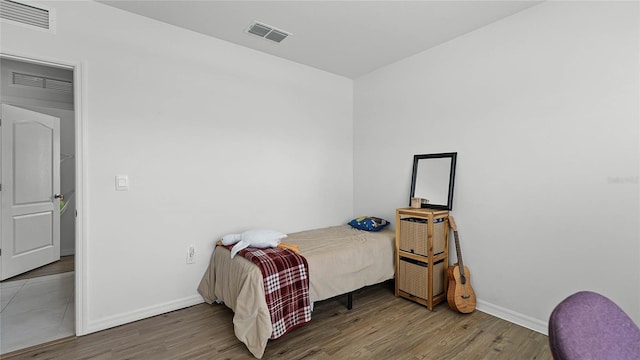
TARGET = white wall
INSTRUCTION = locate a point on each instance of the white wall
(542, 108)
(215, 138)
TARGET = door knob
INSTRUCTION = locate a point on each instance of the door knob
(59, 196)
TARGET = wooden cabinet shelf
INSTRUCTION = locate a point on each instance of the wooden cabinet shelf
(422, 255)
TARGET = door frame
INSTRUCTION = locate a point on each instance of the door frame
(80, 109)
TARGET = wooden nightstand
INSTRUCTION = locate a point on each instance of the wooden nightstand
(422, 255)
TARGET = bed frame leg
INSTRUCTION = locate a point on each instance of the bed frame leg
(350, 301)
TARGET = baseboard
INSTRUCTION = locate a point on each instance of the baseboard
(67, 252)
(513, 317)
(125, 318)
(121, 319)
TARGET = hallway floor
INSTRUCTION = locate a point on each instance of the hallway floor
(36, 310)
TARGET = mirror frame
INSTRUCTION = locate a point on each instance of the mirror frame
(452, 176)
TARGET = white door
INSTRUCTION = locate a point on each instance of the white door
(30, 211)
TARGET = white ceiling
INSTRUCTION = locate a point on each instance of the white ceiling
(348, 38)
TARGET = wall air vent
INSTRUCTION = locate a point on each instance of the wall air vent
(267, 32)
(42, 82)
(25, 14)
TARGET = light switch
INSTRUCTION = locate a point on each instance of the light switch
(122, 182)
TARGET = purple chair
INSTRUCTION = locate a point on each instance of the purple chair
(587, 326)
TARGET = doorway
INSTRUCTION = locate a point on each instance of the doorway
(39, 306)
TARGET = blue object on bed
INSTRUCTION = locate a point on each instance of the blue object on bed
(369, 223)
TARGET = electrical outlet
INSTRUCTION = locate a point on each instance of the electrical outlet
(191, 254)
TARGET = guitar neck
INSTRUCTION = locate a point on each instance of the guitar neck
(452, 223)
(458, 251)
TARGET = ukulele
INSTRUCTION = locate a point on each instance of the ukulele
(460, 294)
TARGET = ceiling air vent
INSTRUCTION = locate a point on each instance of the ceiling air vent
(25, 14)
(267, 32)
(42, 82)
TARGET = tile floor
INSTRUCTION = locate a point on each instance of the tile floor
(36, 310)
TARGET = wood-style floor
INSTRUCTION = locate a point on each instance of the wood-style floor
(380, 326)
(65, 264)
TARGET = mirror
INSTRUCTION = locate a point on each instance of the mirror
(432, 180)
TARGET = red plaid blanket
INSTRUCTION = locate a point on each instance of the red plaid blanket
(286, 287)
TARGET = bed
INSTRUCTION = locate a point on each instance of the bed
(341, 259)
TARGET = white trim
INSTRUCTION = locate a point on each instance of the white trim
(513, 317)
(82, 174)
(56, 63)
(139, 314)
(67, 252)
(80, 111)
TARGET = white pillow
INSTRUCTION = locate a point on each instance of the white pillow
(263, 238)
(258, 239)
(231, 239)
